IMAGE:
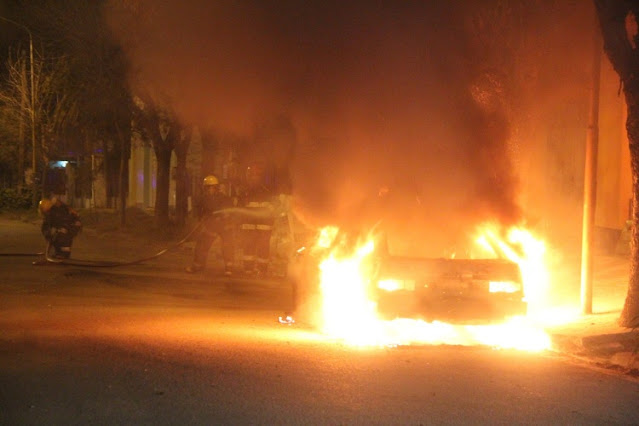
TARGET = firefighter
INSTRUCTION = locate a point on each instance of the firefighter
(256, 229)
(60, 225)
(214, 225)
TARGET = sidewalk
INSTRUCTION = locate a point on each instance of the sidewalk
(595, 338)
(598, 339)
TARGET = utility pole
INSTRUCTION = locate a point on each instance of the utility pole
(590, 178)
(32, 109)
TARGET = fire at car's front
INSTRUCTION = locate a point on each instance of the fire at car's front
(372, 299)
(453, 289)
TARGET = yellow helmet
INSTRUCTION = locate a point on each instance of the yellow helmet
(210, 180)
(45, 205)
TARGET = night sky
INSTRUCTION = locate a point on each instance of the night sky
(380, 93)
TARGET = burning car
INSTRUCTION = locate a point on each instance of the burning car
(449, 289)
(452, 290)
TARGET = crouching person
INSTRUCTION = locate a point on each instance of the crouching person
(60, 225)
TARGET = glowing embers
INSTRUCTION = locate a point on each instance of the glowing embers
(347, 275)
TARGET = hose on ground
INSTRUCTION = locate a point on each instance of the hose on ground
(247, 212)
(22, 254)
(241, 211)
(112, 264)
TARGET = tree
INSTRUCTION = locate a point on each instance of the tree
(98, 73)
(14, 115)
(55, 101)
(155, 119)
(81, 102)
(157, 124)
(618, 22)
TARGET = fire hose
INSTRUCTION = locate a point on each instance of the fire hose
(110, 264)
(22, 254)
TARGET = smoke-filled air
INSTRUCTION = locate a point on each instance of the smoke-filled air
(402, 110)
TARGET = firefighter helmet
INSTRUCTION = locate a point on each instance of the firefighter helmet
(45, 205)
(210, 180)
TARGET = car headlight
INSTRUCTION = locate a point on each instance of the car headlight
(394, 285)
(504, 287)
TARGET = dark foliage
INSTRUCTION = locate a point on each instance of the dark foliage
(13, 199)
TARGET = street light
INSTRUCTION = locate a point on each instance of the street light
(590, 177)
(33, 138)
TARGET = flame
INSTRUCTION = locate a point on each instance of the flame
(349, 313)
(521, 247)
(347, 310)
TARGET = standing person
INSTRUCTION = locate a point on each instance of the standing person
(60, 225)
(214, 225)
(257, 227)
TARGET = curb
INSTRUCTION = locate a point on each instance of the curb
(610, 344)
(618, 351)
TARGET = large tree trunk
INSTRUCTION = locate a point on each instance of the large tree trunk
(621, 43)
(630, 313)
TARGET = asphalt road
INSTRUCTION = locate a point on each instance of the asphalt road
(99, 346)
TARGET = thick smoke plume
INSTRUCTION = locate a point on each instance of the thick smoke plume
(381, 95)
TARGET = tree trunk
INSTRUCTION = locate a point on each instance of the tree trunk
(630, 313)
(125, 153)
(23, 107)
(44, 162)
(210, 147)
(163, 176)
(106, 171)
(181, 178)
(107, 168)
(181, 191)
(123, 187)
(622, 48)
